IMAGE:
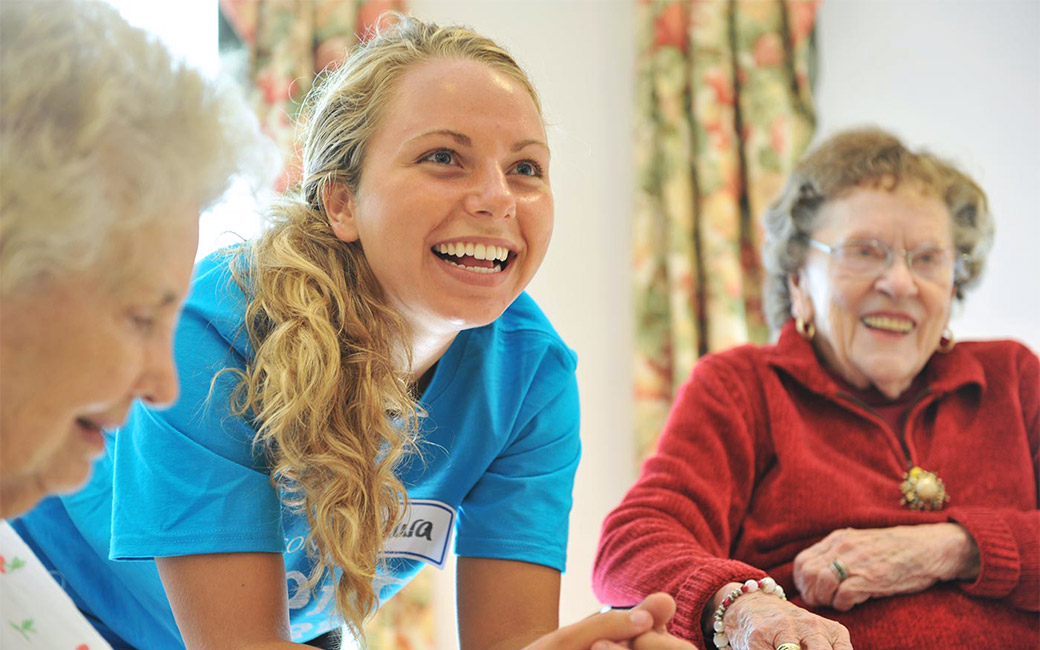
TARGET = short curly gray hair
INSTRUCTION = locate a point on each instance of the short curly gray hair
(866, 157)
(102, 132)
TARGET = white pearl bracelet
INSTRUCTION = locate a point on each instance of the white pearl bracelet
(767, 585)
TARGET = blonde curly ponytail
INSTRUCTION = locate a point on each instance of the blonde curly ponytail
(323, 386)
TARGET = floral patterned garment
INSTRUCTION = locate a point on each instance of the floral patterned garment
(723, 111)
(35, 613)
(287, 43)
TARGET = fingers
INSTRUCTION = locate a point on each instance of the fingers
(660, 641)
(816, 581)
(792, 634)
(838, 639)
(805, 571)
(820, 571)
(820, 586)
(661, 606)
(816, 643)
(850, 593)
(842, 645)
(834, 637)
(821, 641)
(620, 625)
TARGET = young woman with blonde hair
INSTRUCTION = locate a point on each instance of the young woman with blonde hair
(362, 383)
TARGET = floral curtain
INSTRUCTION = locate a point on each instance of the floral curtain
(279, 47)
(286, 44)
(723, 111)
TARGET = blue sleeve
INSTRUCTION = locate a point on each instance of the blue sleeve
(186, 480)
(519, 509)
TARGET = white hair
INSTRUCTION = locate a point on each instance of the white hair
(101, 131)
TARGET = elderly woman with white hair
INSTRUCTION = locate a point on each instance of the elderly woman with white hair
(109, 149)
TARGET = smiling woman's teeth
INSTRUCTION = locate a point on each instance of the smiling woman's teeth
(477, 269)
(476, 251)
(889, 323)
(461, 250)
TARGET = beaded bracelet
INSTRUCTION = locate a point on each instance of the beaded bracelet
(767, 585)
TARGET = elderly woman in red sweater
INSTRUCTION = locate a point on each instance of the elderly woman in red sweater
(865, 481)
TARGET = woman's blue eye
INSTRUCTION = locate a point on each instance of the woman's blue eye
(441, 157)
(528, 169)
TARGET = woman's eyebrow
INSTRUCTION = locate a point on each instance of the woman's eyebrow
(530, 141)
(460, 138)
(464, 140)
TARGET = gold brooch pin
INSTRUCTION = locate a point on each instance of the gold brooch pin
(923, 490)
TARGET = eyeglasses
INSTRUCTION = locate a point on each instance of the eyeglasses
(871, 258)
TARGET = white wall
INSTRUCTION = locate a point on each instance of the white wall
(961, 76)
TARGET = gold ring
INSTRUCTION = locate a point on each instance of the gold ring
(788, 646)
(840, 570)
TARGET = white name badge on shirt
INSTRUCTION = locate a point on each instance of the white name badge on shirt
(424, 532)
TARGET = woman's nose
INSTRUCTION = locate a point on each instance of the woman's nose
(898, 279)
(491, 195)
(158, 385)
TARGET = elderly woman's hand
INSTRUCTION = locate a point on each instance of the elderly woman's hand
(758, 621)
(883, 562)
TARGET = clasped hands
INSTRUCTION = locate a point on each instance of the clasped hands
(641, 628)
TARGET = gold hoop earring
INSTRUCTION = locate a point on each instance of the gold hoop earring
(946, 341)
(806, 330)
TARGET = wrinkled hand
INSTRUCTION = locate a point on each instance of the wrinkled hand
(883, 562)
(640, 628)
(758, 621)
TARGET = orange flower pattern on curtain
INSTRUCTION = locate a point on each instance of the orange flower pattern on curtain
(289, 42)
(723, 111)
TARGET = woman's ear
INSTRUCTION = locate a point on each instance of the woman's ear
(801, 302)
(339, 206)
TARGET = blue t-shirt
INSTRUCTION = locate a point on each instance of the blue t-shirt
(495, 469)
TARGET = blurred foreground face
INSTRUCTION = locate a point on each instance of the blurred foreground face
(79, 348)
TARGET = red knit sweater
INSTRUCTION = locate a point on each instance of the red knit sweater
(764, 454)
